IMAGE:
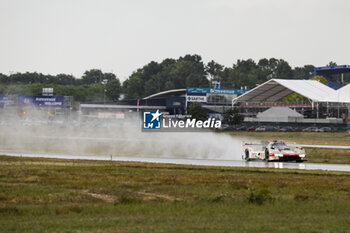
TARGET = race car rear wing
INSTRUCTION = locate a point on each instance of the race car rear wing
(265, 143)
(262, 143)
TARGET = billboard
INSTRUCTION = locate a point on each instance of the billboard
(196, 98)
(49, 101)
(194, 90)
(25, 100)
(7, 100)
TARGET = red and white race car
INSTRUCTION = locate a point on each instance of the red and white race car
(273, 151)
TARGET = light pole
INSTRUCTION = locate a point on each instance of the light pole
(104, 82)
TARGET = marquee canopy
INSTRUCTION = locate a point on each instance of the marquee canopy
(276, 89)
(342, 95)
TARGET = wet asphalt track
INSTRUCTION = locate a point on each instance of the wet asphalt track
(186, 161)
(108, 139)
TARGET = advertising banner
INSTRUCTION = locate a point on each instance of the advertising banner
(7, 100)
(25, 100)
(196, 98)
(215, 91)
(49, 101)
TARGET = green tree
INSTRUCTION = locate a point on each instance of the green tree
(151, 86)
(213, 69)
(95, 92)
(320, 78)
(331, 63)
(3, 78)
(133, 87)
(189, 71)
(197, 112)
(263, 64)
(92, 76)
(283, 70)
(305, 72)
(113, 89)
(109, 76)
(64, 79)
(184, 72)
(293, 98)
(233, 117)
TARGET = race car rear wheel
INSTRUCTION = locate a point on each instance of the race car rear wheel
(247, 158)
(267, 155)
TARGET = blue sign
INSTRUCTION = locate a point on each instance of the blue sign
(25, 100)
(194, 90)
(332, 67)
(49, 101)
(152, 120)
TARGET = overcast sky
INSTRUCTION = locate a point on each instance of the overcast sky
(119, 36)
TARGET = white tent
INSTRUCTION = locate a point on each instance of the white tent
(280, 114)
(280, 111)
(276, 89)
(342, 95)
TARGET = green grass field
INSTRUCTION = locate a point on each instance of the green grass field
(338, 156)
(52, 195)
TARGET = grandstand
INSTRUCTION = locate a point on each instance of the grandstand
(329, 72)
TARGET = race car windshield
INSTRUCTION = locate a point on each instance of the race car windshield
(280, 146)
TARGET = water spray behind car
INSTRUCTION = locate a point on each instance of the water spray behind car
(39, 130)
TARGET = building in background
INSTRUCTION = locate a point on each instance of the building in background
(173, 102)
(214, 100)
(331, 73)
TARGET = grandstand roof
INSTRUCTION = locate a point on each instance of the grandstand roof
(276, 89)
(330, 70)
(174, 92)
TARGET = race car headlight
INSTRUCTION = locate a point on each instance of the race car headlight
(278, 154)
(302, 155)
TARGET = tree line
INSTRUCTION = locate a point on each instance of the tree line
(191, 71)
(186, 71)
(93, 86)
